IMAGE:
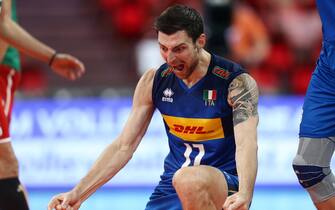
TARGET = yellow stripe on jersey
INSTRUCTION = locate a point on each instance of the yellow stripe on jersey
(195, 129)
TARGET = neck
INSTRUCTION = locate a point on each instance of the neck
(200, 69)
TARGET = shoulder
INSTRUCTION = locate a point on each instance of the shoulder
(226, 63)
(163, 71)
(243, 82)
(142, 94)
(243, 97)
(148, 77)
(225, 68)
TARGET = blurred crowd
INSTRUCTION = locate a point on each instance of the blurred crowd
(277, 41)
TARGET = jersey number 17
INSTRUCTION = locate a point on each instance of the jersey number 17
(198, 157)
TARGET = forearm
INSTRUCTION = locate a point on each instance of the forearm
(243, 97)
(111, 161)
(246, 162)
(23, 41)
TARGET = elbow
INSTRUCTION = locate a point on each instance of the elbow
(5, 28)
(126, 147)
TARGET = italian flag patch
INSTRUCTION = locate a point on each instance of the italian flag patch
(209, 95)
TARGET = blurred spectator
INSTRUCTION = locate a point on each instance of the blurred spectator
(218, 18)
(295, 31)
(236, 31)
(129, 17)
(248, 38)
(297, 19)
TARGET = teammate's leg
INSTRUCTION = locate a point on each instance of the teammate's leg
(312, 166)
(200, 187)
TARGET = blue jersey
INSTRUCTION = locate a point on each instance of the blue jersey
(327, 13)
(198, 120)
(318, 120)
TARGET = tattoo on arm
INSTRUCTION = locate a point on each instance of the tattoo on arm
(243, 97)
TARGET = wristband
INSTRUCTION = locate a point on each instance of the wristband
(52, 58)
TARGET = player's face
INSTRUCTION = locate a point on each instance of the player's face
(179, 52)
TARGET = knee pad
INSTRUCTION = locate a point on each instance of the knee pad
(310, 175)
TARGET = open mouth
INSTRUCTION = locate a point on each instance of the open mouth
(179, 67)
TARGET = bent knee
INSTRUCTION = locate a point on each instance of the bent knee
(200, 179)
(189, 179)
(200, 186)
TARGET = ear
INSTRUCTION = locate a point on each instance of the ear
(201, 41)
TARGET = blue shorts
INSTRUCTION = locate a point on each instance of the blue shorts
(318, 119)
(165, 197)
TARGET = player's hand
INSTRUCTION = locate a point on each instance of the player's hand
(67, 66)
(65, 201)
(237, 201)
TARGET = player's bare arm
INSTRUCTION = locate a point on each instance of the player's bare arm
(5, 8)
(118, 153)
(243, 97)
(15, 35)
(63, 64)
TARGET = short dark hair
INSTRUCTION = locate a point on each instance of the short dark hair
(178, 18)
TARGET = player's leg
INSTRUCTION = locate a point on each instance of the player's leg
(12, 196)
(200, 187)
(326, 205)
(312, 166)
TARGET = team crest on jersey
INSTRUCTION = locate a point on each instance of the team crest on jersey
(168, 93)
(209, 97)
(221, 72)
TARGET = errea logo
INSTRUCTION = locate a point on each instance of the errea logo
(168, 93)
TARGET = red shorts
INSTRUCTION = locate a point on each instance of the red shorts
(9, 81)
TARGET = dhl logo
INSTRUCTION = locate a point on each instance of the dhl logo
(195, 129)
(190, 129)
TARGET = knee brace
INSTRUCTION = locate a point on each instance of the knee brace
(318, 181)
(312, 167)
(310, 175)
